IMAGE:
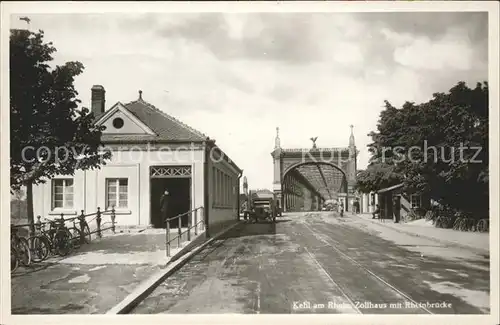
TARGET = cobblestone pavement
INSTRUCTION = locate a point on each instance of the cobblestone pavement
(321, 263)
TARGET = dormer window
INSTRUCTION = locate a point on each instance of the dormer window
(118, 123)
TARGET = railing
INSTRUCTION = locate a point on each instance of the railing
(179, 227)
(81, 218)
(338, 149)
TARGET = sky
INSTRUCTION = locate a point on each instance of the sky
(236, 77)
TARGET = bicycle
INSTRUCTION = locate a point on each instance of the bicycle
(39, 244)
(59, 237)
(483, 225)
(464, 224)
(82, 233)
(21, 247)
(14, 261)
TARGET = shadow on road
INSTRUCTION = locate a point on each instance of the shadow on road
(24, 271)
(255, 229)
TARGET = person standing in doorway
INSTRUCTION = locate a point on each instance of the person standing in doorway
(164, 205)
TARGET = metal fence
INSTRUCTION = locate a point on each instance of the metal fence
(84, 221)
(195, 221)
(98, 217)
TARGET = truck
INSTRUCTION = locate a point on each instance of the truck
(262, 206)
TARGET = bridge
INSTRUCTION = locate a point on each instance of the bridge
(304, 179)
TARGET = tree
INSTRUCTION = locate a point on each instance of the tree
(439, 148)
(376, 177)
(17, 204)
(382, 171)
(49, 134)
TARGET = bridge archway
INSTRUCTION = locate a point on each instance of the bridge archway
(308, 185)
(306, 178)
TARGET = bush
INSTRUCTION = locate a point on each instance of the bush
(413, 215)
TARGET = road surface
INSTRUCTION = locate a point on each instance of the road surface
(322, 263)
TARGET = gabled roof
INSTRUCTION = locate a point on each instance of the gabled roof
(166, 127)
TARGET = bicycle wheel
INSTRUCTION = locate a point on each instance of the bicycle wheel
(86, 233)
(23, 252)
(76, 236)
(482, 225)
(40, 248)
(49, 239)
(14, 262)
(62, 242)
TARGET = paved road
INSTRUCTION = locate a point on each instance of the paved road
(319, 263)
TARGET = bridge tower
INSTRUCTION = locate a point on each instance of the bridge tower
(276, 154)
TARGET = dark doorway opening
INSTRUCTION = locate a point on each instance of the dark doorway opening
(179, 202)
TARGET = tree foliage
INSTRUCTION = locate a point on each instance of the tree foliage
(377, 176)
(439, 148)
(49, 134)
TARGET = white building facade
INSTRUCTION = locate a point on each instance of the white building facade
(151, 152)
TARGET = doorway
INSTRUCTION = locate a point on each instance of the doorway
(179, 189)
(388, 206)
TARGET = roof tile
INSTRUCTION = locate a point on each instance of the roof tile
(165, 126)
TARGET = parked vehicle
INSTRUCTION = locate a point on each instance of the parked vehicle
(263, 208)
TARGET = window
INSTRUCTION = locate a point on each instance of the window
(217, 179)
(219, 186)
(118, 123)
(225, 189)
(228, 186)
(219, 183)
(229, 189)
(224, 192)
(116, 193)
(62, 193)
(415, 201)
(222, 189)
(214, 186)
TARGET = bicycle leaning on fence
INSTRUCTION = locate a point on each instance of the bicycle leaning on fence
(19, 249)
(80, 231)
(56, 240)
(14, 261)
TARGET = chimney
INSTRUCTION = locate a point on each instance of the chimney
(98, 99)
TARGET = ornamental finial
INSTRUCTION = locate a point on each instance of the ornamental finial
(277, 141)
(351, 138)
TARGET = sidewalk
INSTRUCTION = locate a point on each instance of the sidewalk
(96, 277)
(421, 228)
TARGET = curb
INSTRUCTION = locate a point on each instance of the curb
(441, 241)
(146, 287)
